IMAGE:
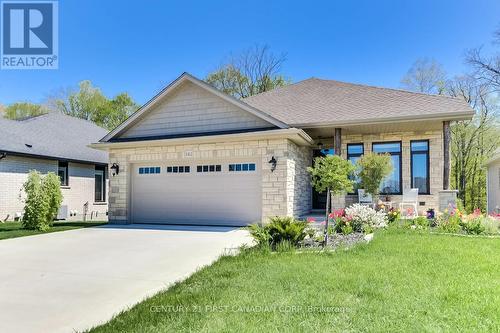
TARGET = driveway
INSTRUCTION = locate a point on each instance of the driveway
(73, 280)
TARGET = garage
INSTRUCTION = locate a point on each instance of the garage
(197, 193)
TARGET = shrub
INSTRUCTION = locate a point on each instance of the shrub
(36, 206)
(285, 228)
(51, 187)
(472, 226)
(374, 168)
(259, 234)
(279, 230)
(491, 225)
(363, 217)
(43, 199)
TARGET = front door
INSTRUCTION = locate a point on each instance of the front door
(319, 199)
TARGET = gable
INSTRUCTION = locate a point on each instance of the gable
(190, 109)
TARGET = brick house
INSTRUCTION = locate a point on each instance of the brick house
(53, 143)
(194, 155)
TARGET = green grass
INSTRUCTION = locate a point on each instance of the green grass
(402, 281)
(15, 229)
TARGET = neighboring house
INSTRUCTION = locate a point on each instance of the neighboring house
(194, 155)
(493, 184)
(53, 143)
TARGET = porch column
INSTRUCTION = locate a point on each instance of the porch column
(338, 201)
(338, 141)
(446, 155)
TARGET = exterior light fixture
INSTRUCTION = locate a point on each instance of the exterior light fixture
(115, 169)
(3, 155)
(273, 163)
(320, 145)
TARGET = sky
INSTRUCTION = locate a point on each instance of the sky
(140, 46)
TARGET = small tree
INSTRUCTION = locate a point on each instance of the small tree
(43, 199)
(331, 174)
(374, 168)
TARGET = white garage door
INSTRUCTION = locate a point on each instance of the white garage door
(203, 193)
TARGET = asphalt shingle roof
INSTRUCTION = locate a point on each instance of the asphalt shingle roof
(53, 135)
(313, 101)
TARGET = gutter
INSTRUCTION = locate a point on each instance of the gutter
(5, 153)
(466, 115)
(296, 135)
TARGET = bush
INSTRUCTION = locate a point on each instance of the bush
(280, 229)
(364, 218)
(51, 187)
(491, 225)
(472, 226)
(43, 199)
(420, 222)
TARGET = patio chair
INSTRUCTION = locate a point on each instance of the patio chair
(365, 198)
(410, 198)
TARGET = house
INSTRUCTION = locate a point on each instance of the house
(195, 155)
(56, 143)
(493, 184)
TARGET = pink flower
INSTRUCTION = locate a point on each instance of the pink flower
(311, 219)
(323, 223)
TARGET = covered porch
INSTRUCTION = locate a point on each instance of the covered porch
(420, 153)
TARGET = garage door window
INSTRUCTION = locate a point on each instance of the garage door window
(209, 168)
(242, 167)
(149, 170)
(179, 169)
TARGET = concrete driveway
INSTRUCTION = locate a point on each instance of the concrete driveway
(73, 280)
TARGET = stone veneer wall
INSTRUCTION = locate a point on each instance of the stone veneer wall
(286, 191)
(435, 166)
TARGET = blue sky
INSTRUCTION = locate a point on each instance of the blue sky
(139, 46)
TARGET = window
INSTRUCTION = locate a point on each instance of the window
(62, 171)
(420, 166)
(209, 168)
(392, 184)
(179, 169)
(100, 183)
(242, 167)
(149, 170)
(354, 152)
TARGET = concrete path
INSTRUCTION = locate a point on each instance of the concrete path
(73, 280)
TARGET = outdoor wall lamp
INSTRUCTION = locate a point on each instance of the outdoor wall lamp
(3, 155)
(273, 163)
(115, 169)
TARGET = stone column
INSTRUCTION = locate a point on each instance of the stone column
(446, 155)
(338, 141)
(338, 201)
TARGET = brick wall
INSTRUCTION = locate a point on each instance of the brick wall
(14, 172)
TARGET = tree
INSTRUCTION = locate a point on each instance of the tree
(331, 174)
(251, 72)
(486, 68)
(89, 103)
(23, 110)
(373, 169)
(426, 76)
(473, 141)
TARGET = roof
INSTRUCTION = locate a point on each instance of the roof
(130, 121)
(315, 102)
(52, 135)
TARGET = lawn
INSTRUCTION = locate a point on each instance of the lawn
(403, 281)
(15, 229)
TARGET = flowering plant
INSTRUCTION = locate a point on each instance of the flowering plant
(365, 218)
